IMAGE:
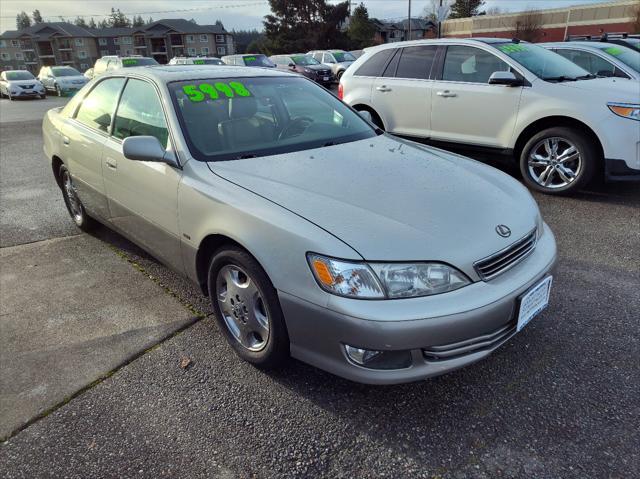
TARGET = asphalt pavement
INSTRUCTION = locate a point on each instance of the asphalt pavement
(560, 400)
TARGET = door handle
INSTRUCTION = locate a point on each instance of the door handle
(383, 88)
(446, 94)
(65, 140)
(111, 163)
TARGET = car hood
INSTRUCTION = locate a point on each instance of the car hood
(71, 79)
(612, 89)
(394, 200)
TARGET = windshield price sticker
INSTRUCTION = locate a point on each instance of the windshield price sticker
(613, 51)
(513, 48)
(198, 62)
(129, 61)
(218, 90)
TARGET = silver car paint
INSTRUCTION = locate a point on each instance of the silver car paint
(377, 199)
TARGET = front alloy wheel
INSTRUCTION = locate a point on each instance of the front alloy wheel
(73, 203)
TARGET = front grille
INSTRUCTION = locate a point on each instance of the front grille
(499, 262)
(485, 342)
(27, 87)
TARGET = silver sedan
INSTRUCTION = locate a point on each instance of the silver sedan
(314, 234)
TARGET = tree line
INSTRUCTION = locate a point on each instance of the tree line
(115, 19)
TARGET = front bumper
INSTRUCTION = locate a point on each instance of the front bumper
(620, 138)
(467, 326)
(28, 93)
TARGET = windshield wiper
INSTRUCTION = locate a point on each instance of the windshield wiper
(560, 78)
(246, 157)
(588, 76)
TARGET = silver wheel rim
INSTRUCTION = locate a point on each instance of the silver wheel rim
(73, 201)
(554, 162)
(243, 307)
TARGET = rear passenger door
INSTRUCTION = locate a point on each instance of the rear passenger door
(402, 95)
(465, 108)
(143, 194)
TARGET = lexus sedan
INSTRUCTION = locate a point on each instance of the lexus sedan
(315, 234)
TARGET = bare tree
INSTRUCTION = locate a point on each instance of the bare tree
(430, 12)
(636, 22)
(528, 26)
(496, 10)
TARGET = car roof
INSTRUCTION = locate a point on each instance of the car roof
(172, 73)
(440, 41)
(581, 43)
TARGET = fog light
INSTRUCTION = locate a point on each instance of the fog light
(374, 359)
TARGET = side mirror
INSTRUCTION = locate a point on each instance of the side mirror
(292, 65)
(366, 115)
(147, 148)
(504, 78)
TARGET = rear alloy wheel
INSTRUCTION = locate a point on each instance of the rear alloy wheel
(339, 75)
(558, 161)
(247, 308)
(74, 205)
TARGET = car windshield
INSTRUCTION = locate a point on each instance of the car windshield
(228, 119)
(626, 55)
(65, 72)
(542, 62)
(257, 61)
(138, 62)
(19, 76)
(343, 57)
(207, 61)
(304, 60)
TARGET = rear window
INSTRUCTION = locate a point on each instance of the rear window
(65, 72)
(257, 61)
(207, 61)
(138, 62)
(343, 57)
(374, 66)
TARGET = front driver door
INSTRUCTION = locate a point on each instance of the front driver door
(465, 108)
(143, 194)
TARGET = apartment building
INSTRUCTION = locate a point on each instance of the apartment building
(61, 43)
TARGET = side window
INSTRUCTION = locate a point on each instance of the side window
(416, 62)
(96, 109)
(140, 113)
(318, 56)
(590, 62)
(470, 64)
(374, 66)
(328, 58)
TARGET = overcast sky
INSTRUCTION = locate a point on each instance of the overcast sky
(238, 14)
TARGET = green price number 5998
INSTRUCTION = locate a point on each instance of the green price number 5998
(197, 93)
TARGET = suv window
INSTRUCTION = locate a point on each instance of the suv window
(140, 113)
(416, 62)
(373, 66)
(318, 56)
(589, 61)
(328, 58)
(390, 71)
(97, 107)
(471, 65)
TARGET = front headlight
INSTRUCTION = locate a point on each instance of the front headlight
(625, 110)
(384, 280)
(307, 70)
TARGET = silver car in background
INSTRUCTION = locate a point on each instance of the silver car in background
(62, 80)
(338, 60)
(314, 233)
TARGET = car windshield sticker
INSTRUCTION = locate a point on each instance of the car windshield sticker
(249, 59)
(129, 62)
(513, 48)
(218, 90)
(615, 51)
(198, 62)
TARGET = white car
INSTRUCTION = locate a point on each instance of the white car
(561, 123)
(600, 58)
(20, 84)
(195, 61)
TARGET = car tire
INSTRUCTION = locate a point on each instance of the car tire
(339, 75)
(559, 161)
(58, 90)
(247, 309)
(74, 206)
(9, 96)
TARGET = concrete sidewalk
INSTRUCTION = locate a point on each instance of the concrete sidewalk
(71, 310)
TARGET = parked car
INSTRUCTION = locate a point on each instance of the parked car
(600, 58)
(305, 65)
(249, 60)
(313, 233)
(338, 60)
(630, 41)
(20, 84)
(88, 74)
(557, 120)
(62, 80)
(195, 61)
(113, 62)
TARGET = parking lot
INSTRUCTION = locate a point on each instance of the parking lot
(112, 365)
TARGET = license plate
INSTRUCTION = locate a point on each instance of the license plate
(534, 301)
(325, 79)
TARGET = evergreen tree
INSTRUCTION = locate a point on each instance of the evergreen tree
(118, 19)
(37, 18)
(361, 30)
(103, 24)
(92, 23)
(22, 20)
(466, 8)
(81, 22)
(138, 21)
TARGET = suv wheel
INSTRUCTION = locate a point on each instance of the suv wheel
(339, 75)
(247, 309)
(558, 160)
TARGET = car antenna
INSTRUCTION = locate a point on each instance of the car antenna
(515, 40)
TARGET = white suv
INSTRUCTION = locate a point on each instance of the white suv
(510, 97)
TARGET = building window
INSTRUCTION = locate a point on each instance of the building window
(19, 56)
(102, 41)
(222, 51)
(205, 50)
(84, 66)
(3, 44)
(82, 54)
(116, 41)
(191, 51)
(204, 38)
(191, 38)
(5, 56)
(219, 38)
(15, 43)
(79, 42)
(126, 40)
(104, 53)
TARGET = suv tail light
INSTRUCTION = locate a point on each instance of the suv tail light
(340, 91)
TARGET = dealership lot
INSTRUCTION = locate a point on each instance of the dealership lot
(559, 400)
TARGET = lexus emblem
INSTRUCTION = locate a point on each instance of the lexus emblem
(503, 230)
